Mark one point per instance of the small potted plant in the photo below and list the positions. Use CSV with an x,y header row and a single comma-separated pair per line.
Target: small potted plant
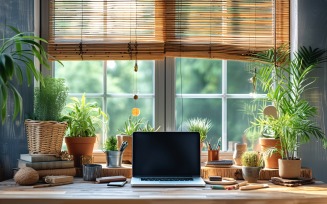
x,y
201,125
251,166
46,131
133,124
83,120
113,156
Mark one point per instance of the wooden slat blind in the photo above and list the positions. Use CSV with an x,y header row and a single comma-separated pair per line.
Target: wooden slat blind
x,y
109,29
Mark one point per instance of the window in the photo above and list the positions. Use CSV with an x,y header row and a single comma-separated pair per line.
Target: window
x,y
111,84
172,87
220,91
214,89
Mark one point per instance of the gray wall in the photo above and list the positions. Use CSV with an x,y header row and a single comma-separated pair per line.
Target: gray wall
x,y
312,31
20,14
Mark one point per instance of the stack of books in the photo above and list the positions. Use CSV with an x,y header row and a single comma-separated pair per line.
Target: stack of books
x,y
47,165
219,163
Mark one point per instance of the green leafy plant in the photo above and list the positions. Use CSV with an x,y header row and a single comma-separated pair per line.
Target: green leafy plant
x,y
50,99
110,144
148,128
285,89
201,125
134,124
16,58
83,118
251,159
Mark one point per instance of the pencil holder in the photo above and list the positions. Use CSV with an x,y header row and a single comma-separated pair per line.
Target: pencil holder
x,y
213,155
91,172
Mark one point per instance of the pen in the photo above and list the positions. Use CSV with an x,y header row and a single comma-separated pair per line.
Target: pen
x,y
236,186
252,187
210,148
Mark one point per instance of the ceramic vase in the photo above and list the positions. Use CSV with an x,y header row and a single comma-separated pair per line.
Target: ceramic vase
x,y
289,169
239,149
251,174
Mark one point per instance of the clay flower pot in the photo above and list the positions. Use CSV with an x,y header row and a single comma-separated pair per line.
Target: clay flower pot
x,y
78,146
271,161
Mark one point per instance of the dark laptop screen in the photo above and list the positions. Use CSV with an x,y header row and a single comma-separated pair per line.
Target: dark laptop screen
x,y
166,154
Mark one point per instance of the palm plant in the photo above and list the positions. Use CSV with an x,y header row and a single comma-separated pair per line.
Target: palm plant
x,y
286,80
16,58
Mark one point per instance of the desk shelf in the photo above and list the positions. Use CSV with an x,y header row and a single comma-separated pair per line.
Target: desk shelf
x,y
232,172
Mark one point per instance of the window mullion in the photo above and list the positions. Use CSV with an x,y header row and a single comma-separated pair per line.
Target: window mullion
x,y
159,95
170,94
104,99
224,106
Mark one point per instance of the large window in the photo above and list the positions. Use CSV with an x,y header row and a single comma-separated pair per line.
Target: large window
x,y
111,85
215,89
221,91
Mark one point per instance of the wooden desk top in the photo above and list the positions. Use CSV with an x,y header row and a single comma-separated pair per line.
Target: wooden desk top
x,y
82,192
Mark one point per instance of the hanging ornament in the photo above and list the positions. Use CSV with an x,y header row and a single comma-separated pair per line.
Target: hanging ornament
x,y
136,67
136,112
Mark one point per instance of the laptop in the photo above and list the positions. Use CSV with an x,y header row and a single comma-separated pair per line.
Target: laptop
x,y
166,159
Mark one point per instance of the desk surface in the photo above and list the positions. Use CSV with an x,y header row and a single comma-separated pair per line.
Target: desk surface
x,y
81,192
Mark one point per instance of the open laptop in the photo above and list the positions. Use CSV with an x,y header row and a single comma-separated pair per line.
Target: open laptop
x,y
166,159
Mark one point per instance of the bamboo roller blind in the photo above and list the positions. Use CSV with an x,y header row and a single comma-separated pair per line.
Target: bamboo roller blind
x,y
153,29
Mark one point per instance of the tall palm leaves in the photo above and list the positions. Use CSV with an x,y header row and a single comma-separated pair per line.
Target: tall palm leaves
x,y
286,79
16,58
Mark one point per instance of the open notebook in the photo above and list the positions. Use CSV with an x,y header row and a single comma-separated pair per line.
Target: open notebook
x,y
166,159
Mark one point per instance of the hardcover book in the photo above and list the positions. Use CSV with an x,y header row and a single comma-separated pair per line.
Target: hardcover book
x,y
39,158
46,165
220,163
57,172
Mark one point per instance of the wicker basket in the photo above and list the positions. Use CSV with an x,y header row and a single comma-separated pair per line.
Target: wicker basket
x,y
45,137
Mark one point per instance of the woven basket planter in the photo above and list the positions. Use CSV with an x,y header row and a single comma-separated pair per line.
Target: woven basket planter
x,y
45,137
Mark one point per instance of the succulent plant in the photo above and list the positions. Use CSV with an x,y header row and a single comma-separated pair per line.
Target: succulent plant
x,y
251,159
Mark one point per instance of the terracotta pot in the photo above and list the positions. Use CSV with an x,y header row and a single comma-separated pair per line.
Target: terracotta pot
x,y
238,152
271,161
128,153
250,174
78,146
289,168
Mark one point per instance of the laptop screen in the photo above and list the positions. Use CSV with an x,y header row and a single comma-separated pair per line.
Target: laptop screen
x,y
166,154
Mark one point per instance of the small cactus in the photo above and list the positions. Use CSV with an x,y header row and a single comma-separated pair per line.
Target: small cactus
x,y
251,159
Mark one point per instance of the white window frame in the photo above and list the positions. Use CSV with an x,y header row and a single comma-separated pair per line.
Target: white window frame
x,y
224,96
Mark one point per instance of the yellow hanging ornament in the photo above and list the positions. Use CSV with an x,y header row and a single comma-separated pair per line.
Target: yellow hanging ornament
x,y
136,112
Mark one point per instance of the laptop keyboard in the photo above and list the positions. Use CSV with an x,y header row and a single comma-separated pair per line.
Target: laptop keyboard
x,y
166,179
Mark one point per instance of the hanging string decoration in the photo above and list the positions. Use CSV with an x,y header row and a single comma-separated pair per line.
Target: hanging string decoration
x,y
135,111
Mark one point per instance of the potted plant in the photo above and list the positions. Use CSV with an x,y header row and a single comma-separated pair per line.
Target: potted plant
x,y
133,124
46,131
113,156
269,141
292,123
251,166
201,125
16,53
83,119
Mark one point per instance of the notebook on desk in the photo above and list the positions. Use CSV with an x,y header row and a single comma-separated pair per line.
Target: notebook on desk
x,y
166,159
